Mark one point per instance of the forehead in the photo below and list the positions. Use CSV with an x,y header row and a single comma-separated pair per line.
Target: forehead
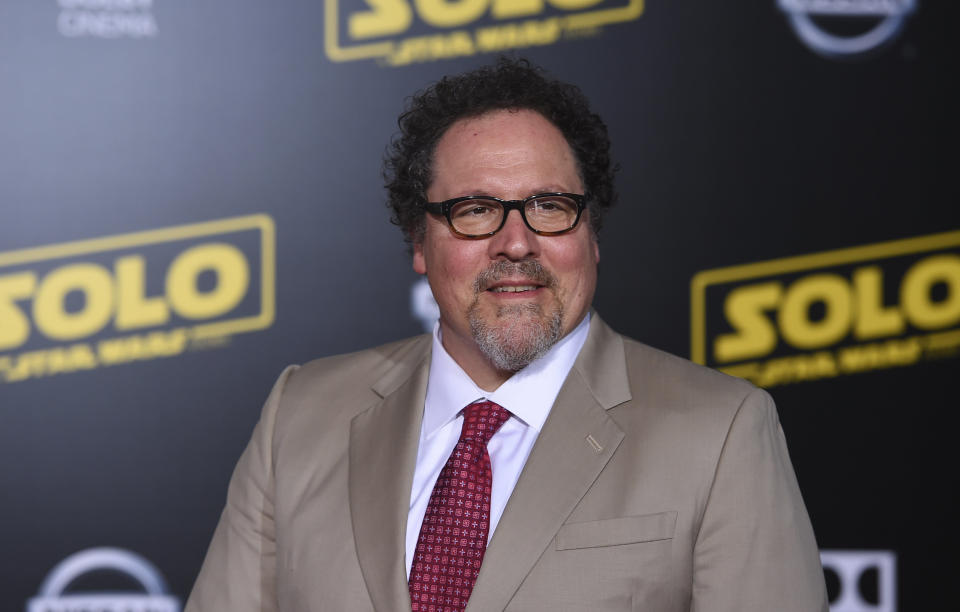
x,y
504,146
526,122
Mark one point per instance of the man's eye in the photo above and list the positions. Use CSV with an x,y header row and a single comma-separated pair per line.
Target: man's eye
x,y
552,206
474,210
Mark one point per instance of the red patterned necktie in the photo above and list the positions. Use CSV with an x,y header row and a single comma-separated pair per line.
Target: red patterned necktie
x,y
453,537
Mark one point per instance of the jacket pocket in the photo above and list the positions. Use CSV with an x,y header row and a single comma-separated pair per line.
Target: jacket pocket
x,y
616,531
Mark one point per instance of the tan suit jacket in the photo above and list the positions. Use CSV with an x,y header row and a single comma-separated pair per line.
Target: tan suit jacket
x,y
655,485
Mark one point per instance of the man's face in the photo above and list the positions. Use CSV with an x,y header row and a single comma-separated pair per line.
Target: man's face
x,y
504,300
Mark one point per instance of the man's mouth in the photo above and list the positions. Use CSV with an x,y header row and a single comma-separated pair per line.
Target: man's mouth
x,y
509,278
513,288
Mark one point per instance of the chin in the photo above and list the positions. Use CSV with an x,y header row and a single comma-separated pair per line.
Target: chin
x,y
517,335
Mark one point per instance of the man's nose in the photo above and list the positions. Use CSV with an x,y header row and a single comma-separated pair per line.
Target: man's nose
x,y
515,241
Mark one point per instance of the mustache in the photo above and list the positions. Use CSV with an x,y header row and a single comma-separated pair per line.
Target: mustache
x,y
528,269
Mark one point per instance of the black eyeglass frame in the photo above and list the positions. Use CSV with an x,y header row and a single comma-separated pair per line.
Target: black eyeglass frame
x,y
443,208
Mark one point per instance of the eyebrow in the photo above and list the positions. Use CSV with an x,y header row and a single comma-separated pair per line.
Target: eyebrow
x,y
486,192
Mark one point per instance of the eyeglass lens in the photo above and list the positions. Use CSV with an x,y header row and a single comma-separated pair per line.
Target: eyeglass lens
x,y
481,216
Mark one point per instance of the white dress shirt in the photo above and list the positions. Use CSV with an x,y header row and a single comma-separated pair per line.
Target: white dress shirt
x,y
528,395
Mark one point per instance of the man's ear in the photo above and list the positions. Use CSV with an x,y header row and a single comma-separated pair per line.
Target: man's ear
x,y
419,262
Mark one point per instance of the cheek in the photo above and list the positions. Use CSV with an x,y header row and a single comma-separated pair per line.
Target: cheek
x,y
580,277
452,274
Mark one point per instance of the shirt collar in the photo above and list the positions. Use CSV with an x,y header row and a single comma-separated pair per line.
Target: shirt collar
x,y
529,394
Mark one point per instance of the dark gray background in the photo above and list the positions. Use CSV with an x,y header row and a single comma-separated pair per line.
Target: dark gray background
x,y
736,144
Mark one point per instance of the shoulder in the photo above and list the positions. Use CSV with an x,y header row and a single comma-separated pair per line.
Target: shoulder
x,y
665,374
352,381
665,386
686,414
363,366
615,359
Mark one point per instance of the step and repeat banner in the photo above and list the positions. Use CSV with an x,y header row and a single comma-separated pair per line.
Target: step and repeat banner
x,y
191,199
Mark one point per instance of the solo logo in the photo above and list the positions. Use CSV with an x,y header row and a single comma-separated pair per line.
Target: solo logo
x,y
829,314
54,598
91,303
400,32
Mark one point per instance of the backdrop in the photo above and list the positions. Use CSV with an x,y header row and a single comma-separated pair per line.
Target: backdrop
x,y
190,199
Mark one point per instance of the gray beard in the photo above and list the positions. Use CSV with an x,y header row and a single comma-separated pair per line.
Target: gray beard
x,y
521,334
516,341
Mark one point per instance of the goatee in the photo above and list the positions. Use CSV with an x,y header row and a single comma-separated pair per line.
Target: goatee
x,y
521,333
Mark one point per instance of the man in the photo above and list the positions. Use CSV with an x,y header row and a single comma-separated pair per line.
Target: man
x,y
524,456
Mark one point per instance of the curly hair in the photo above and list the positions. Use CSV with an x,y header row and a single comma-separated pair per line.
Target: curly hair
x,y
508,84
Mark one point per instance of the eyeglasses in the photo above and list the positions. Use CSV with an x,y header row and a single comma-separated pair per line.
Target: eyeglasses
x,y
547,214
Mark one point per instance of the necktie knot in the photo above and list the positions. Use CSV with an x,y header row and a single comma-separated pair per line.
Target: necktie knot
x,y
481,420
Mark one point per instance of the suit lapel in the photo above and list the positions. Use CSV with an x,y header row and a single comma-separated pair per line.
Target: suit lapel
x,y
576,442
383,454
